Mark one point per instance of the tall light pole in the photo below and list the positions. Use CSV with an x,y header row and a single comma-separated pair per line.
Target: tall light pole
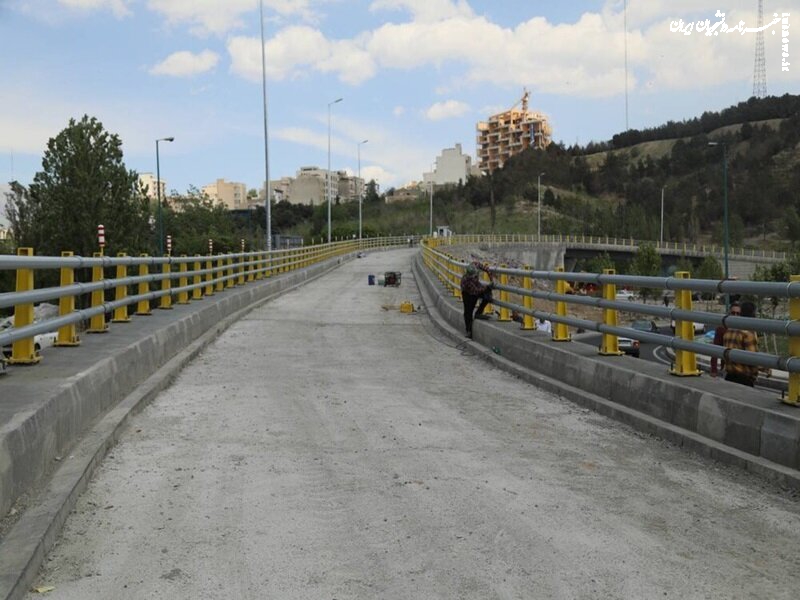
x,y
267,199
158,192
433,170
539,209
361,191
725,229
662,214
329,165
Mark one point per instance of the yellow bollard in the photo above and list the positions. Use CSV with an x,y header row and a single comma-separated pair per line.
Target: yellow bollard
x,y
505,314
230,273
143,306
165,302
793,396
23,352
197,293
183,281
528,322
610,343
209,277
486,279
219,274
97,324
67,335
120,293
241,279
560,330
251,268
685,361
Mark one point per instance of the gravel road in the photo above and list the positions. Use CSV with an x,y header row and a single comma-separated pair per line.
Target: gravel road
x,y
328,446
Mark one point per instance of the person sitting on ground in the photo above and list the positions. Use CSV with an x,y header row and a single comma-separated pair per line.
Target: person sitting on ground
x,y
473,290
544,325
741,339
719,335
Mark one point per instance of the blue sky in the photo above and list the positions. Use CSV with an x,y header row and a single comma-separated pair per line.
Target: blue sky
x,y
415,75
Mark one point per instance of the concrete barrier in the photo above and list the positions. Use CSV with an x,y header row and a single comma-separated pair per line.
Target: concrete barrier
x,y
729,422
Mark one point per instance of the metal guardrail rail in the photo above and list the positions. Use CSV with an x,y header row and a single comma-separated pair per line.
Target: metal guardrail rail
x,y
449,269
179,279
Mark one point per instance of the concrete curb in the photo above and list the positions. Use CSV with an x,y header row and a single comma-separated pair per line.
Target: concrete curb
x,y
25,547
532,349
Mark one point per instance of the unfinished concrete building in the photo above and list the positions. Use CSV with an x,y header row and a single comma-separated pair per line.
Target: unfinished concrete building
x,y
508,133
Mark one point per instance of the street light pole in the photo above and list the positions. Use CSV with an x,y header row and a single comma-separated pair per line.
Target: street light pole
x,y
361,190
158,193
725,228
539,209
662,214
433,170
267,199
329,165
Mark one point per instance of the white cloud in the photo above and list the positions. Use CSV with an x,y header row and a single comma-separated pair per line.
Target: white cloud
x,y
426,10
446,110
218,17
118,7
186,64
398,111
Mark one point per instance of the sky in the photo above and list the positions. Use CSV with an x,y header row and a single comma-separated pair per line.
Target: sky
x,y
415,76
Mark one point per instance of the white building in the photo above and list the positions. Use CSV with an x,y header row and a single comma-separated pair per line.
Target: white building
x,y
5,234
149,181
310,186
231,193
451,167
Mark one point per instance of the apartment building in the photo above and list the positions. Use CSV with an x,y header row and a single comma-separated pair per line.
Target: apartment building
x,y
5,234
451,166
310,186
231,193
509,133
149,181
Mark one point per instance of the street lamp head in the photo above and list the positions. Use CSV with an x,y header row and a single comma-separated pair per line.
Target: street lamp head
x,y
336,101
364,142
542,174
169,139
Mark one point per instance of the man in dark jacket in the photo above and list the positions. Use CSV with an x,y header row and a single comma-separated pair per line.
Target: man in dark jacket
x,y
473,290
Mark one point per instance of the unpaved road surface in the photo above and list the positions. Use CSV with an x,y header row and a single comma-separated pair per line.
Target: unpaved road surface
x,y
324,447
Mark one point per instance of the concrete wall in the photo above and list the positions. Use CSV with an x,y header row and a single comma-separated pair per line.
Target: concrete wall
x,y
729,422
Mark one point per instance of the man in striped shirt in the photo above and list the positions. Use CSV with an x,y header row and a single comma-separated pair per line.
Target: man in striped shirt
x,y
741,339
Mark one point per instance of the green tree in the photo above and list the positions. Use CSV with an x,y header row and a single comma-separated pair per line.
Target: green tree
x,y
83,183
646,262
371,195
600,262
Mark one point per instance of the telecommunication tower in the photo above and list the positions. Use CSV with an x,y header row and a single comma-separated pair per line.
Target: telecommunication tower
x,y
760,68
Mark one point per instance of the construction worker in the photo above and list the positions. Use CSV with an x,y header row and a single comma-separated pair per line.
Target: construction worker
x,y
473,290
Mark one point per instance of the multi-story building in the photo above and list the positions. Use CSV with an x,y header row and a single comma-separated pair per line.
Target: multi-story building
x,y
149,181
508,133
5,234
310,186
231,193
451,167
278,189
407,193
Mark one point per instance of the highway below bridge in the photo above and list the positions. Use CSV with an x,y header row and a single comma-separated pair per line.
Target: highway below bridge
x,y
328,446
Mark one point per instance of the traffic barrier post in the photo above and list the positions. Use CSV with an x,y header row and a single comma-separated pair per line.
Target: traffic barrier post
x,y
528,322
143,306
67,335
505,314
183,281
610,343
685,361
120,293
23,352
97,324
560,330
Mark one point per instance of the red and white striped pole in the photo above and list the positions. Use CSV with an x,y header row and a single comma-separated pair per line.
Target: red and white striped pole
x,y
210,247
169,245
101,237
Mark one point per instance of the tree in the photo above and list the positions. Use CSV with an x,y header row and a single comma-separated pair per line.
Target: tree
x,y
83,183
371,195
647,263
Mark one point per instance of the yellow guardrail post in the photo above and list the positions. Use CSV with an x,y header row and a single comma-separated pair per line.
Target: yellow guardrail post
x,y
505,314
120,293
220,285
183,281
242,277
97,324
685,361
23,352
560,330
67,335
143,306
486,279
793,396
166,285
197,293
251,268
528,322
610,343
209,276
230,272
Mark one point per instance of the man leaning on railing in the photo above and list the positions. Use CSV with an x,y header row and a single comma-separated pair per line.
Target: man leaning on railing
x,y
741,339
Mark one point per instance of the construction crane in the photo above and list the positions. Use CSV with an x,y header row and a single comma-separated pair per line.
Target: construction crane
x,y
524,100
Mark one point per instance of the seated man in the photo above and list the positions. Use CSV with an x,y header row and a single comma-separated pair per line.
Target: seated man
x,y
473,290
741,339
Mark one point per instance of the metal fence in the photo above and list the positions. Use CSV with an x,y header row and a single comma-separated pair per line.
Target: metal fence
x,y
449,269
161,280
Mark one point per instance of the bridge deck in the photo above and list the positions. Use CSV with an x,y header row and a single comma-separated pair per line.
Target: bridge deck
x,y
324,447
